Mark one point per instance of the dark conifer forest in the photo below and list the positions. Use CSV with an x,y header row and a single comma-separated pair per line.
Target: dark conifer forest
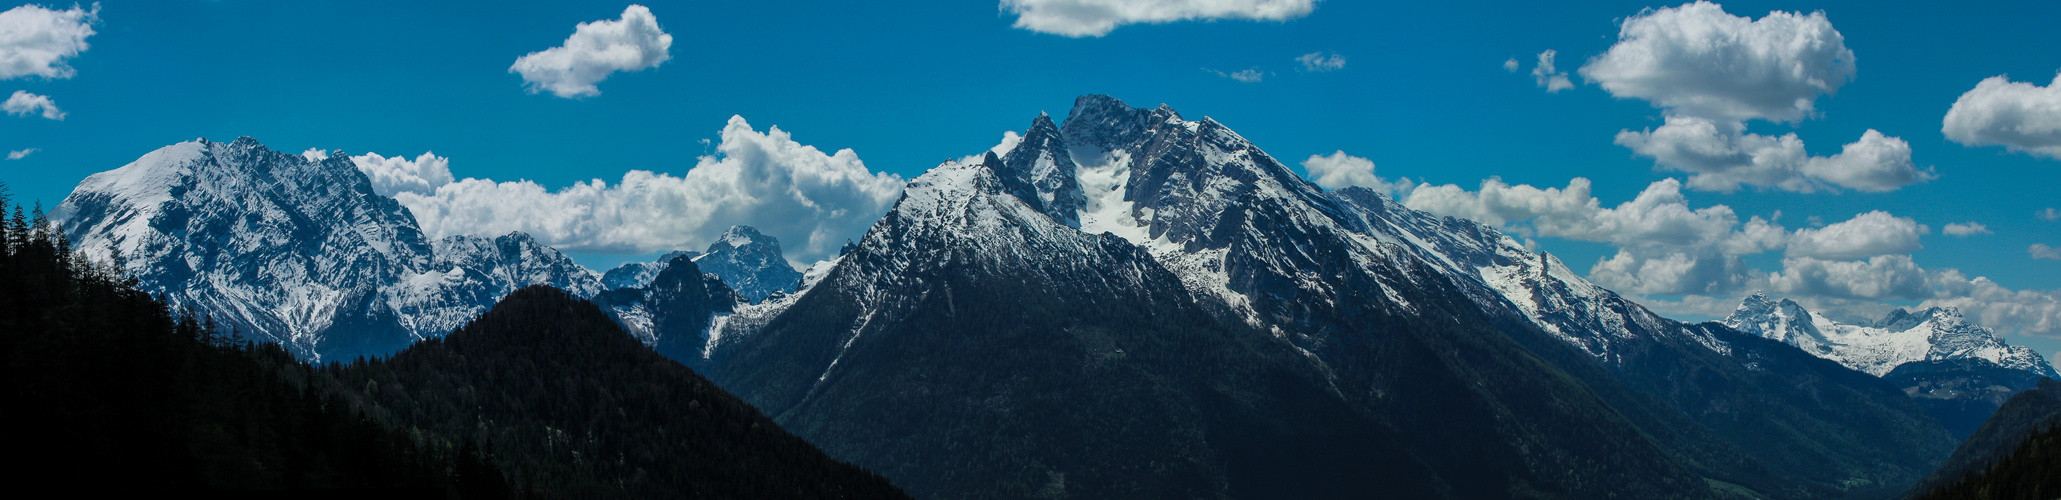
x,y
107,388
577,408
2016,454
544,397
2031,472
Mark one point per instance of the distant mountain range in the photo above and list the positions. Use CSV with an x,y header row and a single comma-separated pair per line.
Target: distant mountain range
x,y
1959,371
1126,304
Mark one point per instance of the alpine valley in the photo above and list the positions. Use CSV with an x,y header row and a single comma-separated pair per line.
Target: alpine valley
x,y
1125,304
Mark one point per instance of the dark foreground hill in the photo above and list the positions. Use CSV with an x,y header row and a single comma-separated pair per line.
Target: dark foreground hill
x,y
572,406
107,389
541,397
2015,455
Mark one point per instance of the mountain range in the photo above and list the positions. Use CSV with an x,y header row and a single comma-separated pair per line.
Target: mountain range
x,y
1486,359
302,252
1959,371
1126,304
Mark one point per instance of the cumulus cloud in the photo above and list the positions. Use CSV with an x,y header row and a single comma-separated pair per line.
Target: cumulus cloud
x,y
1659,215
2048,213
23,103
593,52
2042,251
2022,117
1252,75
1721,156
1551,79
1321,62
1664,245
1875,163
2012,311
1339,170
35,41
1883,277
1009,140
1870,234
396,175
21,153
811,201
1511,65
1094,18
1712,72
1701,61
1965,229
1669,272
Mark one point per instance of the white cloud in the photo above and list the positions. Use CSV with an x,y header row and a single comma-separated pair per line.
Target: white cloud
x,y
811,201
396,175
1321,62
315,154
23,103
1870,234
1712,71
1882,277
1094,18
1511,65
1252,75
2042,251
21,153
35,41
1669,272
594,51
1721,156
2020,311
1553,80
1698,60
1875,163
1664,246
1339,170
2048,213
2021,117
1660,215
1009,140
1965,229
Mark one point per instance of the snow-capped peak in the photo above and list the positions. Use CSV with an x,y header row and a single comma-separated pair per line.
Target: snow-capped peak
x,y
738,236
289,247
750,263
1940,333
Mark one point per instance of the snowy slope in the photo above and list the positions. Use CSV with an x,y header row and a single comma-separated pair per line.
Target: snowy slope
x,y
1900,337
1231,219
301,252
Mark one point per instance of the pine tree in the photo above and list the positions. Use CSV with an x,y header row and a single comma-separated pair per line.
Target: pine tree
x,y
17,230
5,239
39,224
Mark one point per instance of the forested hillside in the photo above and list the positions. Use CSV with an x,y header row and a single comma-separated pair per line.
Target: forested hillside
x,y
542,397
2015,455
575,407
106,388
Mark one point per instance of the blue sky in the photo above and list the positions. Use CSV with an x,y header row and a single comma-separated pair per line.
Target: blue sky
x,y
1423,94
